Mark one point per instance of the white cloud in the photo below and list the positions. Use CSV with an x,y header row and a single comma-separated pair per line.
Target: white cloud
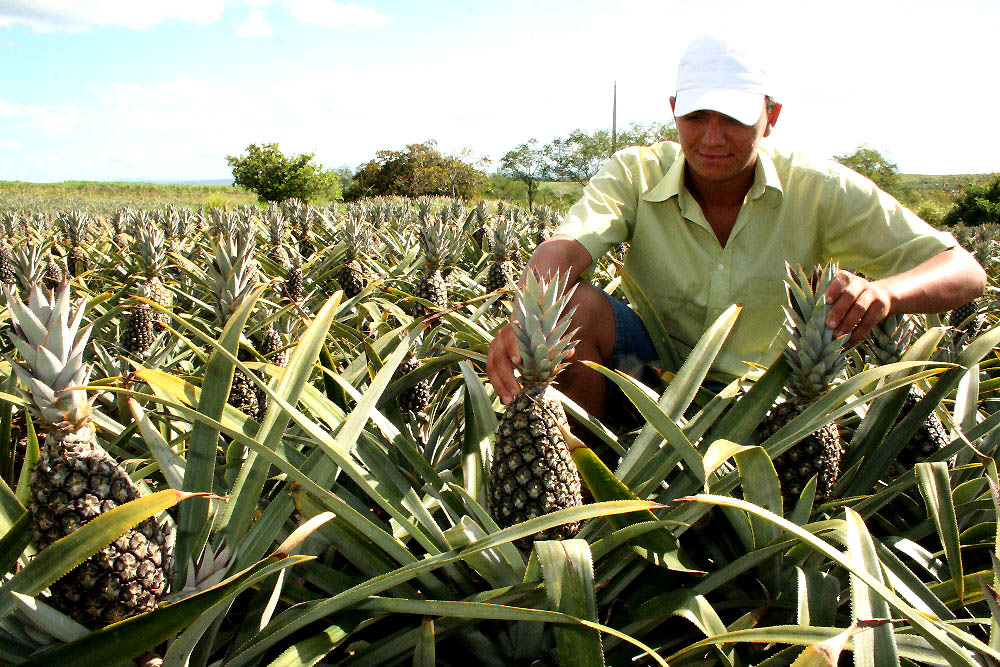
x,y
76,16
11,143
332,14
255,26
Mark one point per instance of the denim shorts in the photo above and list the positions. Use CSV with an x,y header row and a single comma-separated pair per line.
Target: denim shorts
x,y
634,353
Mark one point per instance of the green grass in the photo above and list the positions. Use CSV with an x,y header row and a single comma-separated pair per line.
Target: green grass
x,y
106,197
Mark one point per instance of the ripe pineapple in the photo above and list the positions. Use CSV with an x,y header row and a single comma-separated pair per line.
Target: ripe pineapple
x,y
532,473
817,359
54,274
137,334
437,240
75,225
352,277
75,480
502,270
888,342
152,264
231,276
416,398
277,229
294,278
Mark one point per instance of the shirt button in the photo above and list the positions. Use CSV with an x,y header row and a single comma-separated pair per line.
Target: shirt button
x,y
720,267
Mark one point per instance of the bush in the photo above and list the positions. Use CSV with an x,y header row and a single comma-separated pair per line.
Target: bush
x,y
978,204
266,171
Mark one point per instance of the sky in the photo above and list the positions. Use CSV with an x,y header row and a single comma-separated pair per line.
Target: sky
x,y
151,89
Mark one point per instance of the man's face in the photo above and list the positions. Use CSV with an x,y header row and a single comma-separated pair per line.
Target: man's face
x,y
718,148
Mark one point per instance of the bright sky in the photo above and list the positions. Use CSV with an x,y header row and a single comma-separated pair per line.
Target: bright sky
x,y
165,89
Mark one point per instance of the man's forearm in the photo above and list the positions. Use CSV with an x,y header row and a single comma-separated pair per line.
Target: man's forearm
x,y
558,253
944,282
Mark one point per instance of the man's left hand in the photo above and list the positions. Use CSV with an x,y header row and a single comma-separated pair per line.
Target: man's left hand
x,y
857,305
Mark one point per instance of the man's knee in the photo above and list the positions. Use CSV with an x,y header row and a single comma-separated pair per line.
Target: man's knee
x,y
594,319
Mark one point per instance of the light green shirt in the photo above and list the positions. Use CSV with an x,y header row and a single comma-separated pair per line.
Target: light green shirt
x,y
796,211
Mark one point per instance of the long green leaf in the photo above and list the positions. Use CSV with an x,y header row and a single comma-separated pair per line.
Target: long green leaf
x,y
568,569
935,487
199,473
480,425
878,647
935,633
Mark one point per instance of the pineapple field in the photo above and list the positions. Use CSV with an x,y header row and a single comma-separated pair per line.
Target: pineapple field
x,y
245,435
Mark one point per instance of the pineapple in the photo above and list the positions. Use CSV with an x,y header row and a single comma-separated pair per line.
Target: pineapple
x,y
277,229
231,276
54,274
887,342
502,270
75,479
817,359
29,269
75,225
152,264
294,278
417,397
9,221
138,335
437,240
532,473
352,276
118,223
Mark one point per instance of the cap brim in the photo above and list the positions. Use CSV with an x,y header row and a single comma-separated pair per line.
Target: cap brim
x,y
744,106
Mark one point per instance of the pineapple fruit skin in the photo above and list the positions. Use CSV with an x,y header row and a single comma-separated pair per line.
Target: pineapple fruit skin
x,y
819,453
74,481
532,472
416,398
352,278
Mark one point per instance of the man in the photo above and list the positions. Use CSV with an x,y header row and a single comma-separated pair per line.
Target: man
x,y
712,222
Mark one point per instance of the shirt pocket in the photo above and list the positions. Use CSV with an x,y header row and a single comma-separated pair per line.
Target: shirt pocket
x,y
762,317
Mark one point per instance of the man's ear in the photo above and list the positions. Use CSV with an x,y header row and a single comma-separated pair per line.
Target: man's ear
x,y
673,103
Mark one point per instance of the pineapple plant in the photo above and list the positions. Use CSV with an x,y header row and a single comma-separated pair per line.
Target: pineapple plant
x,y
352,277
75,225
152,266
532,473
231,276
416,397
54,274
277,229
9,221
887,343
119,222
75,479
437,240
295,278
817,359
502,271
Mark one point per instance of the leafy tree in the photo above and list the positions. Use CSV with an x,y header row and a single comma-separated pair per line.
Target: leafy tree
x,y
416,171
275,177
869,162
978,204
528,164
580,155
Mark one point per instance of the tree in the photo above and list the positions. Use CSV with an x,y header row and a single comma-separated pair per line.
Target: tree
x,y
578,156
416,171
275,177
870,163
978,204
527,164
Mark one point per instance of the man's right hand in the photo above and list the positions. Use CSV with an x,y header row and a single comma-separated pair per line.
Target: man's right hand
x,y
500,362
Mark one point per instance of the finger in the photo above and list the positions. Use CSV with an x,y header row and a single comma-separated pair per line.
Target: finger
x,y
875,314
853,316
840,308
500,366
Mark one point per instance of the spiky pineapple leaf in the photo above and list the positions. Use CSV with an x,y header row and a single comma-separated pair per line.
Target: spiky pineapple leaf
x,y
664,345
937,634
935,487
879,646
480,426
568,571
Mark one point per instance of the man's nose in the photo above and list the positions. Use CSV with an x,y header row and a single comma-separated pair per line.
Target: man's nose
x,y
714,135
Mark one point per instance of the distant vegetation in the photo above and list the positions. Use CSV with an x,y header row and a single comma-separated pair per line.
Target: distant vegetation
x,y
106,197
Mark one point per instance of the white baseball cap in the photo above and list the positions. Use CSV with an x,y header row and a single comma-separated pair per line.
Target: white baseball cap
x,y
719,75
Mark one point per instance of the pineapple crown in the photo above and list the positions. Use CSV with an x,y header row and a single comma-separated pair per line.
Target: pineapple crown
x,y
504,239
437,242
890,338
74,225
233,272
28,267
355,234
51,344
815,355
276,224
152,257
541,323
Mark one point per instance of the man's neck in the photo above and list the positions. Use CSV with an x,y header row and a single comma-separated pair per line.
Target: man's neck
x,y
731,192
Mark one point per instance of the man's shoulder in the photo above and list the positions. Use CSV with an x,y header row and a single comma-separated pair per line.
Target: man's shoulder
x,y
796,169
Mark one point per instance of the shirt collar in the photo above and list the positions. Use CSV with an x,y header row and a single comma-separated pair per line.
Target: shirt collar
x,y
765,178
